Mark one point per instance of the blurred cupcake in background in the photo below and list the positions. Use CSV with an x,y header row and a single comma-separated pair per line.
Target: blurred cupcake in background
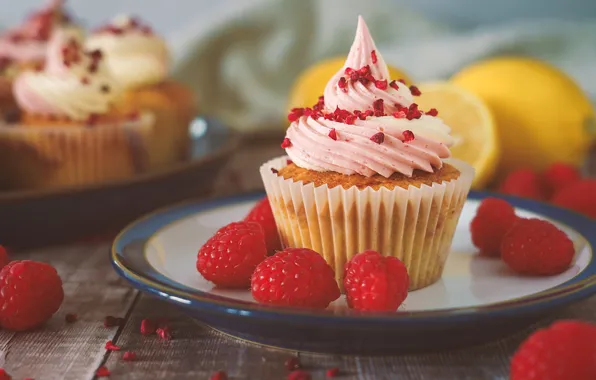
x,y
73,127
140,62
24,46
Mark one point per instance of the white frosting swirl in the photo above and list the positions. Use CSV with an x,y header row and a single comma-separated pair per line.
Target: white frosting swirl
x,y
135,55
74,83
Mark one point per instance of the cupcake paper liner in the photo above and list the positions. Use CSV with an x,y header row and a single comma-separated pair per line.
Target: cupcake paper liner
x,y
416,225
53,156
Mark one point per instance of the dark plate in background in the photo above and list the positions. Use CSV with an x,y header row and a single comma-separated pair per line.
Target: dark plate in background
x,y
34,218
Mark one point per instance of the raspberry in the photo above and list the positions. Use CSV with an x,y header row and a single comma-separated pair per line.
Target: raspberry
x,y
30,293
494,217
565,350
3,257
579,196
559,175
261,213
229,257
375,283
536,247
523,183
295,277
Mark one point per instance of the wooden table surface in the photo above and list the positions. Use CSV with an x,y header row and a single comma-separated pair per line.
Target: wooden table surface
x,y
62,350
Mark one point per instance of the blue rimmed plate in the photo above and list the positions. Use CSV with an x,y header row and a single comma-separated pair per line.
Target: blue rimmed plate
x,y
477,298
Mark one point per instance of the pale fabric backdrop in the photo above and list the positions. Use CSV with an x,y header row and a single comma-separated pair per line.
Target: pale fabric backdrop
x,y
241,56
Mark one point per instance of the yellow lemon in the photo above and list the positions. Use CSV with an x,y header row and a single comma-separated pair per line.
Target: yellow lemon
x,y
542,116
311,83
471,125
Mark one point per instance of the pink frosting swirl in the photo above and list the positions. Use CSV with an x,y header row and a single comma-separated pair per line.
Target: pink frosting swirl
x,y
28,41
368,124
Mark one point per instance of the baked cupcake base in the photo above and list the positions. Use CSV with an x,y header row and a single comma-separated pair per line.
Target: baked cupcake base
x,y
51,156
412,219
174,108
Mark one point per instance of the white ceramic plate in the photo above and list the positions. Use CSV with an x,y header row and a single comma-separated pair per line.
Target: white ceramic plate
x,y
158,254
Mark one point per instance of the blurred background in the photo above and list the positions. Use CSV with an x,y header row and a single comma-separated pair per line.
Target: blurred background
x,y
250,61
258,47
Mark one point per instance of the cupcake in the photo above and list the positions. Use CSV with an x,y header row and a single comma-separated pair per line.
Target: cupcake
x,y
73,127
140,62
24,47
367,169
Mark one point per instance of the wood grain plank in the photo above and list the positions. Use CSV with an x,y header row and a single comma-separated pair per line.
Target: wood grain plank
x,y
70,351
484,362
195,351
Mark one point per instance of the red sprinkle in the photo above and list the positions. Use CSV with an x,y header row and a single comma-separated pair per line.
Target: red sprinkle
x,y
413,112
164,333
401,81
219,375
292,364
129,356
274,171
299,375
399,115
343,84
289,162
333,372
351,119
378,137
373,56
394,85
415,91
102,372
348,71
432,112
364,71
110,346
408,136
378,105
286,143
381,84
333,134
70,318
295,114
148,327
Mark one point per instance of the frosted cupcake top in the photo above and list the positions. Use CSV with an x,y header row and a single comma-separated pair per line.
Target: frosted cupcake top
x,y
28,42
366,123
136,56
74,82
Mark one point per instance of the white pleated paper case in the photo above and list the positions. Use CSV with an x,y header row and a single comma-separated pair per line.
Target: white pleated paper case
x,y
68,155
415,225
